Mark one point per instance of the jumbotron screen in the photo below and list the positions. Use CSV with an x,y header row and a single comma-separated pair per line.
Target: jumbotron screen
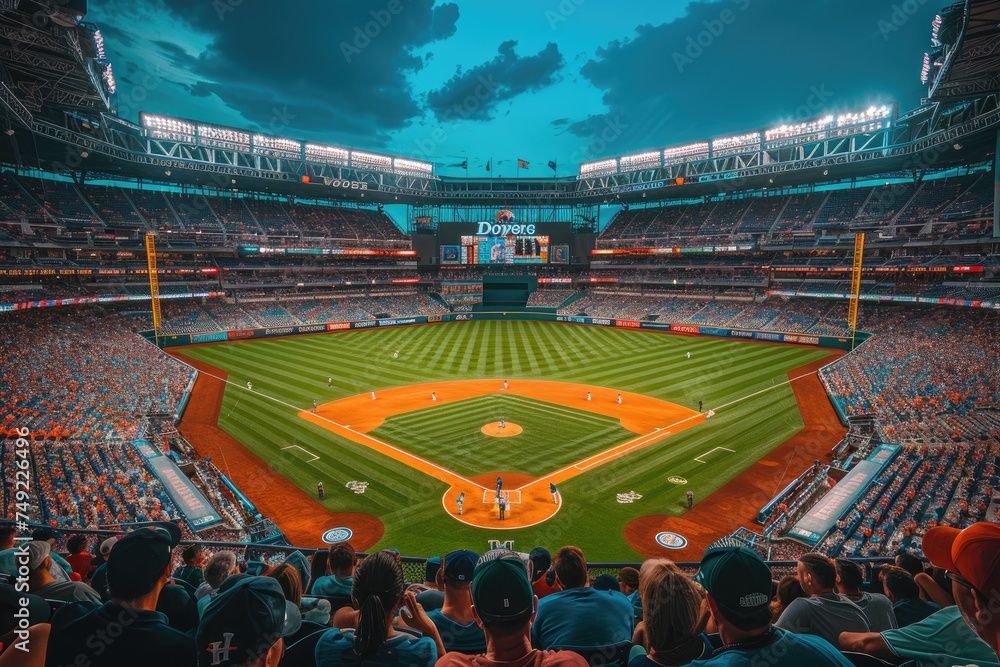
x,y
490,243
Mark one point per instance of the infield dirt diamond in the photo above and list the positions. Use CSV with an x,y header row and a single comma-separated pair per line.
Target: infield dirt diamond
x,y
651,419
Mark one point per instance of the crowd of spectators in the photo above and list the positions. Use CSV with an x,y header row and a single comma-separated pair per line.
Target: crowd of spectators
x,y
84,377
930,375
498,608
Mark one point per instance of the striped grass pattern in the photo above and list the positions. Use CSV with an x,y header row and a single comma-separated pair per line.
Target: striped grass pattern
x,y
291,372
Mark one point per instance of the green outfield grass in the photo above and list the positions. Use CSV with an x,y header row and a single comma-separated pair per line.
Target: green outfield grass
x,y
291,372
554,436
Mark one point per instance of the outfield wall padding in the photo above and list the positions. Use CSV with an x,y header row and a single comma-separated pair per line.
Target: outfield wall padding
x,y
839,343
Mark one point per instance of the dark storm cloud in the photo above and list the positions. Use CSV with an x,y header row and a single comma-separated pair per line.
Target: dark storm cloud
x,y
263,61
736,65
475,93
176,55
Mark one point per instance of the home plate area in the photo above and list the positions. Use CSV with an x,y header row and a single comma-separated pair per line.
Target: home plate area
x,y
513,497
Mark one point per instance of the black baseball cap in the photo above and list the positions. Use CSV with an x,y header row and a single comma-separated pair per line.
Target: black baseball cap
x,y
244,621
501,590
139,560
45,533
460,564
740,583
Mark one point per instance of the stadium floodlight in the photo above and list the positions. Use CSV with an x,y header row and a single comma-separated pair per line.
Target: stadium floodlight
x,y
599,168
645,160
166,127
688,153
806,131
412,167
936,30
276,146
216,136
328,154
740,143
925,70
99,45
371,161
109,79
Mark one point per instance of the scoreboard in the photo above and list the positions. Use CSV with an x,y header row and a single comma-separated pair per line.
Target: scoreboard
x,y
463,244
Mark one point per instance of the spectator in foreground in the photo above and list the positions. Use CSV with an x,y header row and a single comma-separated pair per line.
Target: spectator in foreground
x,y
79,559
218,568
60,568
675,614
192,572
972,559
876,607
789,589
737,584
319,566
943,638
429,594
455,621
579,616
543,579
43,584
378,592
628,578
343,559
824,613
245,625
504,606
904,594
138,569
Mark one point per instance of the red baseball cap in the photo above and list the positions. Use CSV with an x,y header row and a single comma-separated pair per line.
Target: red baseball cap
x,y
973,553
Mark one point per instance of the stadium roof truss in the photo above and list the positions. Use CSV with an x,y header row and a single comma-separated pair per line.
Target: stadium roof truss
x,y
54,83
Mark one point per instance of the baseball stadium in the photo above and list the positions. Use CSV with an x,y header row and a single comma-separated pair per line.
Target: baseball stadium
x,y
253,334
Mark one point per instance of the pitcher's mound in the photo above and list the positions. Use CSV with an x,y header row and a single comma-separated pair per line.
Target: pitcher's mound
x,y
494,430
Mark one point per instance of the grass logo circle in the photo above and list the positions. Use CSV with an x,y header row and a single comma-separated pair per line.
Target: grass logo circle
x,y
677,480
335,535
671,540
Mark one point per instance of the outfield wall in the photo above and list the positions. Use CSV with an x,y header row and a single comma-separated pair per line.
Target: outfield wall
x,y
839,343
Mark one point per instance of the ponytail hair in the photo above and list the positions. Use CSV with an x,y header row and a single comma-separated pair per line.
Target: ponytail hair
x,y
378,586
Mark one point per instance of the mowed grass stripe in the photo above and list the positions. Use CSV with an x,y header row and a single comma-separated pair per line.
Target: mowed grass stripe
x,y
294,370
552,435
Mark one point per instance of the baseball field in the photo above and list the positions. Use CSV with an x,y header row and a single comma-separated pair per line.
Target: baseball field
x,y
393,466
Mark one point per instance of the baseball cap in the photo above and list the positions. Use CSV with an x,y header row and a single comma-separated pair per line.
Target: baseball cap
x,y
107,545
541,560
38,551
740,583
501,590
431,567
45,533
460,565
973,554
243,622
139,560
630,576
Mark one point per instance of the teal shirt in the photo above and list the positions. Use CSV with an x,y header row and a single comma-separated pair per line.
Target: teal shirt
x,y
789,650
636,601
943,638
336,647
332,585
469,639
582,618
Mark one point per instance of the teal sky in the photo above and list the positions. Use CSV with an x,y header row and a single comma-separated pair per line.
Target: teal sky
x,y
541,80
